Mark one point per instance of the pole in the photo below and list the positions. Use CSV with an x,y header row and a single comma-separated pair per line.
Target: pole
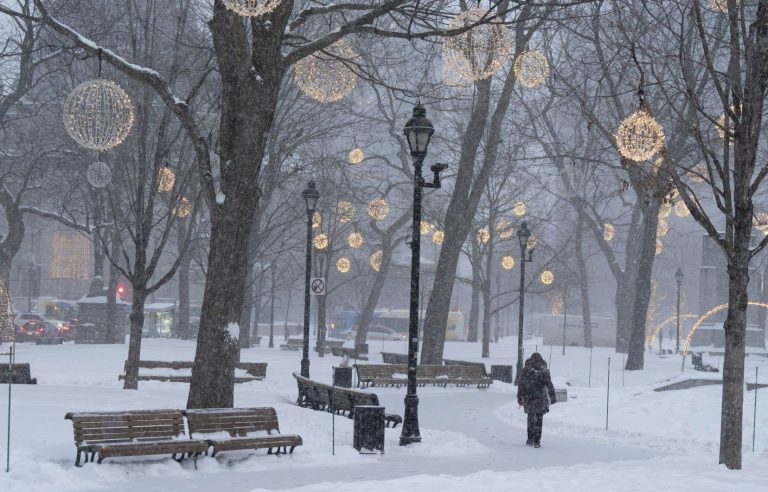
x,y
589,383
307,273
521,307
607,393
10,384
677,338
754,414
565,317
271,309
410,431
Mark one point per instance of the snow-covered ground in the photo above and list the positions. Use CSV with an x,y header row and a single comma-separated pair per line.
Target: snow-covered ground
x,y
472,439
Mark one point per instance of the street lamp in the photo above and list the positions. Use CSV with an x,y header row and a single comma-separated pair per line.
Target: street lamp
x,y
679,278
523,235
311,196
418,131
272,268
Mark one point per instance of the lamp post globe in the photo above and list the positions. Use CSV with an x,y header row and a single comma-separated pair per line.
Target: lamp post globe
x,y
311,197
418,132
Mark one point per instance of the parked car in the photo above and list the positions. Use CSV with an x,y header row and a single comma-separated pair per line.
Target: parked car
x,y
67,329
30,330
49,334
22,318
379,332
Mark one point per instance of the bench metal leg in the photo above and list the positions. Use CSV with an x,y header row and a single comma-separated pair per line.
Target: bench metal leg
x,y
292,448
79,454
101,458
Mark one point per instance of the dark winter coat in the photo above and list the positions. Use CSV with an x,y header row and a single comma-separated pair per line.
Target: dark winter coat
x,y
535,389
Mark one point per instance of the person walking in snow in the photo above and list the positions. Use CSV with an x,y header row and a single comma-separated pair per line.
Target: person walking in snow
x,y
535,392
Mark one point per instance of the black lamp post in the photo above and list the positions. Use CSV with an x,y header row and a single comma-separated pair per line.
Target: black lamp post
x,y
311,196
679,278
523,234
418,131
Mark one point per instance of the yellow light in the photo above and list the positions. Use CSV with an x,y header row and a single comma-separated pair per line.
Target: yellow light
x,y
531,68
655,332
355,240
659,247
504,229
356,156
639,136
520,209
98,114
252,8
378,209
438,237
183,208
425,227
665,210
345,211
608,231
325,76
532,241
375,260
166,178
673,194
483,235
320,241
343,264
681,209
547,277
706,315
71,256
317,219
662,228
479,52
557,304
508,263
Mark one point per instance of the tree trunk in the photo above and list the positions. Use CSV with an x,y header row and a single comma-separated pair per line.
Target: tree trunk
x,y
134,341
321,328
486,288
97,283
366,317
581,265
474,305
625,286
182,320
114,329
251,300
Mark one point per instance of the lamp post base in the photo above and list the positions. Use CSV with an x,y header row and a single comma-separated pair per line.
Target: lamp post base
x,y
305,368
410,433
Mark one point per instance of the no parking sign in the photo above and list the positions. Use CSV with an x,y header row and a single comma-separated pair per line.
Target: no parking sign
x,y
317,286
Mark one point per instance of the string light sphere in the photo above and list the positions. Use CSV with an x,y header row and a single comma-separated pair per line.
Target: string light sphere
x,y
320,242
483,235
609,232
531,68
547,277
520,209
343,264
721,5
70,256
681,209
355,240
532,241
166,178
507,263
662,228
98,174
345,211
98,114
639,136
378,209
725,125
317,219
183,208
760,222
325,76
504,229
356,156
479,52
438,237
425,227
375,260
659,247
252,8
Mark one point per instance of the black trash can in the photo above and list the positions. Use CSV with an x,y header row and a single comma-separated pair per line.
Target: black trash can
x,y
342,376
505,374
369,429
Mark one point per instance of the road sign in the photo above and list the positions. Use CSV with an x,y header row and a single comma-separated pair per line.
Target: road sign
x,y
317,286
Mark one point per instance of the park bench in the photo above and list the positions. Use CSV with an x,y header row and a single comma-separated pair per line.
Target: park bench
x,y
293,344
239,423
697,360
453,362
350,352
329,345
22,374
256,371
341,401
132,433
255,341
394,358
396,375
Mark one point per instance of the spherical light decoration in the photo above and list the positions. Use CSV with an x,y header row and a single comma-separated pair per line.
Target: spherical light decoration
x,y
760,222
317,219
479,52
698,173
320,242
356,156
532,241
662,228
425,227
665,210
70,256
438,237
531,68
659,247
557,304
681,209
721,5
252,8
483,235
325,76
375,260
725,125
639,136
508,263
343,264
520,209
345,211
609,232
504,229
547,277
183,208
99,174
378,209
355,240
166,178
98,114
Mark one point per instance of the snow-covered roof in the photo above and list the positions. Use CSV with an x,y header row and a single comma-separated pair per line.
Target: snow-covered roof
x,y
98,300
160,306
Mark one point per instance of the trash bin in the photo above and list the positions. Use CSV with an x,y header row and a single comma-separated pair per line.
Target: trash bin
x,y
505,374
368,434
342,376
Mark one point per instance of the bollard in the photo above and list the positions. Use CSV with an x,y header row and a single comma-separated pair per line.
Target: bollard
x,y
607,393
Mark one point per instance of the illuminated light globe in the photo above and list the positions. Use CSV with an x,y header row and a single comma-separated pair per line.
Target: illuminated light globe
x,y
98,174
166,178
438,237
479,52
504,229
665,210
662,228
520,209
378,209
547,277
320,242
343,264
760,222
356,156
659,247
375,260
98,114
453,79
681,209
639,136
725,125
425,227
508,263
325,76
531,68
345,211
609,232
252,8
721,5
317,219
532,241
355,240
483,235
183,208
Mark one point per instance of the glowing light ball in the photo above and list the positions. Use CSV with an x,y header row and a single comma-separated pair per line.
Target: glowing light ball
x,y
325,76
531,68
479,52
320,242
317,219
507,263
375,260
183,208
662,228
504,229
532,241
659,247
483,235
166,178
252,8
681,209
356,156
378,209
438,237
639,136
547,277
345,211
98,114
520,209
343,264
355,240
609,232
425,227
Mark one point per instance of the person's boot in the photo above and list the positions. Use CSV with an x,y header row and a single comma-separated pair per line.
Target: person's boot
x,y
536,445
529,443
